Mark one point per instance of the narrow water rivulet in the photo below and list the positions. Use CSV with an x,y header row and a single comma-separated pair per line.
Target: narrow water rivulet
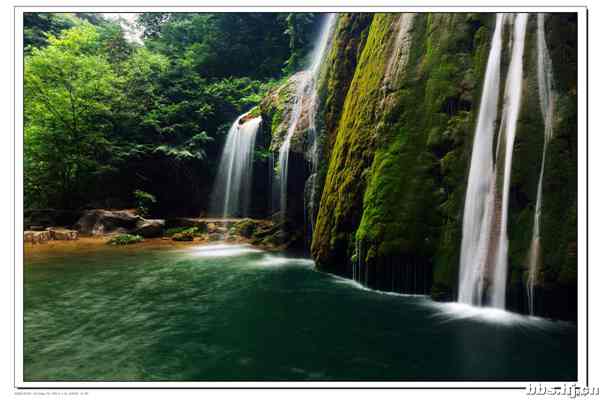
x,y
546,95
305,106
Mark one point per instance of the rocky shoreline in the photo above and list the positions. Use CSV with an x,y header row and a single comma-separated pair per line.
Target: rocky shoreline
x,y
100,225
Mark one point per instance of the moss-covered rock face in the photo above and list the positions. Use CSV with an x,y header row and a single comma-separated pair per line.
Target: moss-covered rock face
x,y
398,107
396,179
555,291
276,111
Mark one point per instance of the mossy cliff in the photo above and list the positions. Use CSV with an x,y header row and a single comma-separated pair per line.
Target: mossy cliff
x,y
398,106
395,182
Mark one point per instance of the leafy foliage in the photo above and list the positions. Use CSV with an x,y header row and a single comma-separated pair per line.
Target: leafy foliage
x,y
125,239
145,201
105,117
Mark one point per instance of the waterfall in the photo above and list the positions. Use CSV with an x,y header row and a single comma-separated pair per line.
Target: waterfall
x,y
233,185
477,212
306,102
512,99
484,247
546,96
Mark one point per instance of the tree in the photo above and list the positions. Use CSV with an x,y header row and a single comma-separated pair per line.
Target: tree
x,y
69,87
37,27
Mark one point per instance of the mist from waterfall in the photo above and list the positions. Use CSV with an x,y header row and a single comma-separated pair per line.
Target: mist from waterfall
x,y
484,247
546,96
306,101
233,185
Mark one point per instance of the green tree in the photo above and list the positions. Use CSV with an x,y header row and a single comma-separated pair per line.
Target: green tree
x,y
69,87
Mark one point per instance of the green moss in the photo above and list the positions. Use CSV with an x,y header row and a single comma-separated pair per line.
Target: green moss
x,y
352,152
414,196
397,149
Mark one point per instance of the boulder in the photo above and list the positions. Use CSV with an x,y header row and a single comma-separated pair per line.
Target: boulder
x,y
100,222
63,234
36,237
149,228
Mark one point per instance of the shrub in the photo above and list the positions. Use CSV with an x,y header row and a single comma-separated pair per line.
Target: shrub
x,y
125,239
145,201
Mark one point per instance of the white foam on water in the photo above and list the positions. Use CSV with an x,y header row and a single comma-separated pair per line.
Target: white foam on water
x,y
223,250
359,286
276,261
448,312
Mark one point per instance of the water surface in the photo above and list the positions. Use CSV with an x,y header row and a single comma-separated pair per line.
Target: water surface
x,y
231,312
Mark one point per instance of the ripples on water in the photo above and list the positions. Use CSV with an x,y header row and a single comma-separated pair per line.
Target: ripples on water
x,y
233,312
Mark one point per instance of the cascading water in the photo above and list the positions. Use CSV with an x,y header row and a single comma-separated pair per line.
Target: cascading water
x,y
478,201
306,102
546,95
484,247
512,105
233,185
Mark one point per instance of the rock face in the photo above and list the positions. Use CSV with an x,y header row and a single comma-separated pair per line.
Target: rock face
x,y
399,106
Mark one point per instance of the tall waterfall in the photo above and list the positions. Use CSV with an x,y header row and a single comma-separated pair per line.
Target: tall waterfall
x,y
306,102
512,99
233,185
546,95
478,202
484,247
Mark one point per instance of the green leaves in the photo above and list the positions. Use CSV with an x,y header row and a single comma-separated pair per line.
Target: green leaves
x,y
104,116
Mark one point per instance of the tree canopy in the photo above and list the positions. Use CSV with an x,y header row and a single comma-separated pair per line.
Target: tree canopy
x,y
106,117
